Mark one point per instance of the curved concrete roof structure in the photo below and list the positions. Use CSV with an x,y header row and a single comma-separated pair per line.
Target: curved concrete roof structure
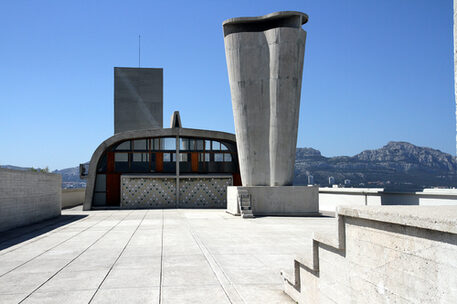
x,y
137,134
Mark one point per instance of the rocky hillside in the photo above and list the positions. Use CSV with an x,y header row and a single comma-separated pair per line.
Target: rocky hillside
x,y
396,166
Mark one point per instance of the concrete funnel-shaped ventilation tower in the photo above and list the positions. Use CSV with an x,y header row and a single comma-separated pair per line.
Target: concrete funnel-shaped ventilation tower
x,y
265,66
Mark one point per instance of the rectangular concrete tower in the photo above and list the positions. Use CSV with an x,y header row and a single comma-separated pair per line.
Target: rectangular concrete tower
x,y
138,99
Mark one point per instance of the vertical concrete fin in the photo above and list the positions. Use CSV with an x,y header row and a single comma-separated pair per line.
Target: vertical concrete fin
x,y
175,121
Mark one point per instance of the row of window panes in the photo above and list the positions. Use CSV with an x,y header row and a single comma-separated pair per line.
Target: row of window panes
x,y
167,157
164,143
200,145
169,143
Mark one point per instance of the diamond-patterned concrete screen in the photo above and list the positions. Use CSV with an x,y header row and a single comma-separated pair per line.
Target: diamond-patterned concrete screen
x,y
203,192
160,192
143,192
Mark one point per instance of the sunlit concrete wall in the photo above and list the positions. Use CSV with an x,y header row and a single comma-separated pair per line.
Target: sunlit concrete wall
x,y
381,254
28,197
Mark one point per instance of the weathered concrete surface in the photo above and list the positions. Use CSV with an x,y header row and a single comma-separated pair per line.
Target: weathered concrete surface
x,y
265,66
331,198
139,256
287,200
386,254
28,197
138,98
72,197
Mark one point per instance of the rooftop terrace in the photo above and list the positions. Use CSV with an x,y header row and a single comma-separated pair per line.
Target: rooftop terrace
x,y
153,256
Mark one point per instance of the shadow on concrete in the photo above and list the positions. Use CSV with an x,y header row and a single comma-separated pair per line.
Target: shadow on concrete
x,y
21,234
399,198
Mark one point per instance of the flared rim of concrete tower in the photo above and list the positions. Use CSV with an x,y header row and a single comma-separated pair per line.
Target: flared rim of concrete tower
x,y
268,17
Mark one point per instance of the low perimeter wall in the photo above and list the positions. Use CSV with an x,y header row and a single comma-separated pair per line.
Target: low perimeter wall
x,y
73,197
28,197
331,198
386,254
278,200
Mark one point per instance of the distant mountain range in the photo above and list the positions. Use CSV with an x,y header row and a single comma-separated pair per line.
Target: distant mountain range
x,y
396,166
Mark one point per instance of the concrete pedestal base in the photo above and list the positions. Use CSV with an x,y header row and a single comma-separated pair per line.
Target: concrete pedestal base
x,y
280,200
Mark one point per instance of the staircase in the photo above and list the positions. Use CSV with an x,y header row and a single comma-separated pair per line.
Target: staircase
x,y
244,201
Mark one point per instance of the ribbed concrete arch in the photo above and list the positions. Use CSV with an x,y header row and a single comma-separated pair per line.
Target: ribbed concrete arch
x,y
117,138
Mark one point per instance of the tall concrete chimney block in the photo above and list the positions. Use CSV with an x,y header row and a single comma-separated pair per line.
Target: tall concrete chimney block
x,y
265,66
138,99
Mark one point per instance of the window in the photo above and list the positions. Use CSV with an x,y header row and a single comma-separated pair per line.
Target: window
x,y
199,144
156,143
218,157
203,157
140,162
140,157
216,145
167,157
121,162
125,146
169,143
184,144
183,157
223,147
227,157
121,157
207,145
140,144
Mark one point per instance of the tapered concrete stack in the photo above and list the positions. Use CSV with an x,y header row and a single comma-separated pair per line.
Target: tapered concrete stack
x,y
265,66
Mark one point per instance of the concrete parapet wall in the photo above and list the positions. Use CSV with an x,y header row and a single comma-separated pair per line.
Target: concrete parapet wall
x,y
28,197
286,200
73,197
386,254
331,198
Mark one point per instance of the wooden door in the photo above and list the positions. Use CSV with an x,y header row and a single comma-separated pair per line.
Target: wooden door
x,y
194,161
237,179
159,161
113,183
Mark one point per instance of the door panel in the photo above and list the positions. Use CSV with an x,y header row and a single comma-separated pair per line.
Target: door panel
x,y
194,160
159,161
113,188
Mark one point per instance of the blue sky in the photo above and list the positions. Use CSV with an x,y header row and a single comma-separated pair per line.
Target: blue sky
x,y
374,71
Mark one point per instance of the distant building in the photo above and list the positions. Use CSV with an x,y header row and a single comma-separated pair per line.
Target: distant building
x,y
331,180
310,180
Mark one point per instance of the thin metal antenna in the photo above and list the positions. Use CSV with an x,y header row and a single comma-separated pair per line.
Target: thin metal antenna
x,y
139,50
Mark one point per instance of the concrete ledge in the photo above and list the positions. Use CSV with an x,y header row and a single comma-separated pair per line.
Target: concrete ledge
x,y
440,218
72,197
279,200
415,242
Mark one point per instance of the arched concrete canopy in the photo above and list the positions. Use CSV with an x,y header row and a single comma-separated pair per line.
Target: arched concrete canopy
x,y
136,134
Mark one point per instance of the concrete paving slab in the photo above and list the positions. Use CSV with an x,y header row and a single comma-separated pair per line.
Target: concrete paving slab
x,y
260,294
131,278
16,282
187,270
180,255
12,298
194,295
59,297
74,280
127,295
